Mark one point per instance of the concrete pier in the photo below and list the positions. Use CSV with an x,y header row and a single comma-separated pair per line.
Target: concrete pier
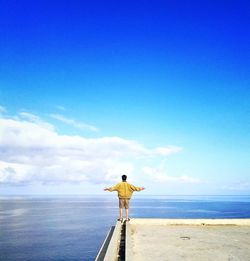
x,y
182,239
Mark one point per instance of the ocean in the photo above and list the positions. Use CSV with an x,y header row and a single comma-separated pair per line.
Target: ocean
x,y
40,228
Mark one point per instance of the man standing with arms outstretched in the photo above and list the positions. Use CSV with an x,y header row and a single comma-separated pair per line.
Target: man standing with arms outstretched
x,y
125,191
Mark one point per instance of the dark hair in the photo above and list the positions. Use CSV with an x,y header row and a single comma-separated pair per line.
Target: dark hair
x,y
124,177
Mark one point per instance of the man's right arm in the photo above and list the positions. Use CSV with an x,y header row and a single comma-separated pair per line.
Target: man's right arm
x,y
134,188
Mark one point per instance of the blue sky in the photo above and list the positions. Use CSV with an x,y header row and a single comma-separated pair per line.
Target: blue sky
x,y
153,74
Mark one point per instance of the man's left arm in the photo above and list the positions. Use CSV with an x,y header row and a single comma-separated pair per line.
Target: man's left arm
x,y
114,188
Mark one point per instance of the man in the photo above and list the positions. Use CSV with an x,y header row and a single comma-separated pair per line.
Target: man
x,y
125,191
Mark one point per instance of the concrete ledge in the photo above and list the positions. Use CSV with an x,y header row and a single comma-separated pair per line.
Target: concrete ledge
x,y
158,221
129,243
113,247
102,252
182,239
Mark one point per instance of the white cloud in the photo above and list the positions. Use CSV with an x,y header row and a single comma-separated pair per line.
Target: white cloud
x,y
13,173
74,123
32,151
34,118
238,186
159,175
167,150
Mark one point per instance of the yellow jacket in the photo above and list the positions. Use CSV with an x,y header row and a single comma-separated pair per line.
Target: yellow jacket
x,y
124,189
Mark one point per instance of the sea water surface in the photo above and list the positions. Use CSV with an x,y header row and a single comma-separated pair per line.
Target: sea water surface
x,y
74,227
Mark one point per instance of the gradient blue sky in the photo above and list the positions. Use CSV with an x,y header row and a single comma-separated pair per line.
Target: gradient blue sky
x,y
161,73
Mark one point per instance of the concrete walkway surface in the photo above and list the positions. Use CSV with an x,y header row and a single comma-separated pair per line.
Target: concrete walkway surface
x,y
188,239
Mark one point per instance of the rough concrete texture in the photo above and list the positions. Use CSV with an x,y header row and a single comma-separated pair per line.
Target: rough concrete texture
x,y
160,242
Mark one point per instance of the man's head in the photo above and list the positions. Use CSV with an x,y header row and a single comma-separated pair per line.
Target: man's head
x,y
124,177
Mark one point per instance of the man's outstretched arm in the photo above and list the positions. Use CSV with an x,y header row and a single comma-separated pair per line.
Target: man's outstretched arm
x,y
134,188
112,188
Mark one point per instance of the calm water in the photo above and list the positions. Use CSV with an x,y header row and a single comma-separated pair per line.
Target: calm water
x,y
73,228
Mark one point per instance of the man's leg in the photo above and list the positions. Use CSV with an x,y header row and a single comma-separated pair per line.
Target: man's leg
x,y
120,208
120,213
127,209
127,214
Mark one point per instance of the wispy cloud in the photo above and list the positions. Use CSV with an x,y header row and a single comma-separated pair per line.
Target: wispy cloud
x,y
2,109
167,150
35,119
74,123
238,186
160,175
61,108
32,151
